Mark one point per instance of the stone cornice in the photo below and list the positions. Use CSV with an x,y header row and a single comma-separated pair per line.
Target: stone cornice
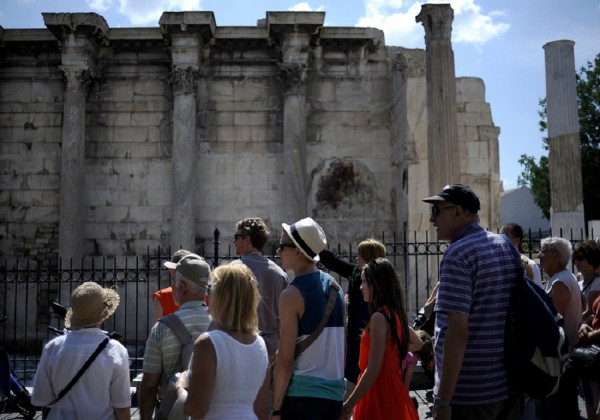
x,y
65,25
201,24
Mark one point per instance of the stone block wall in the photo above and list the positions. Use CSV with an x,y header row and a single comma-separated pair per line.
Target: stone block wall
x,y
362,133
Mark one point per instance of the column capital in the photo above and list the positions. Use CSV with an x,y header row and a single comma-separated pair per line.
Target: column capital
x,y
294,33
78,78
293,77
80,36
184,80
437,20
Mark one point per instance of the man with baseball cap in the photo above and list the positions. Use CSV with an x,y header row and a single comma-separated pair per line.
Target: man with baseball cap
x,y
477,275
311,385
162,357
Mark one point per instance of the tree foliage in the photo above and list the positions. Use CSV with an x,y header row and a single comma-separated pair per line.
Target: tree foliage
x,y
535,174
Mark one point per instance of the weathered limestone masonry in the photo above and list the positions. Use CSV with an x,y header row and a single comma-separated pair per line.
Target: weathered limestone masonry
x,y
564,157
190,126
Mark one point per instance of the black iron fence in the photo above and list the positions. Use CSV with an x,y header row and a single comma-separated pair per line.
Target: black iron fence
x,y
28,287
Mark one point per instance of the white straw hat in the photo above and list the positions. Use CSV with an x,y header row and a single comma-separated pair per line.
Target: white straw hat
x,y
308,236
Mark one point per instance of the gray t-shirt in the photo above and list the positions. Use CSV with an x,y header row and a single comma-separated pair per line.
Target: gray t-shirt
x,y
271,282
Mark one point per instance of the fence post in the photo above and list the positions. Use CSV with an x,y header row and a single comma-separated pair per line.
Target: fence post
x,y
216,244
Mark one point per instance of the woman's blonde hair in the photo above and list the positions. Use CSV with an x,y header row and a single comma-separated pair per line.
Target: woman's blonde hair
x,y
369,249
234,298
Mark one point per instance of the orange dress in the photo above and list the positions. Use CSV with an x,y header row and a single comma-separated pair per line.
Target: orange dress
x,y
388,398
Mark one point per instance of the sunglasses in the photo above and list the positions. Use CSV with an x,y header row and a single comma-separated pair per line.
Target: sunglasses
x,y
284,245
435,211
238,236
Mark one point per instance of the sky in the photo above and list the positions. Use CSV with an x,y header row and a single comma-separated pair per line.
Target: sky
x,y
500,42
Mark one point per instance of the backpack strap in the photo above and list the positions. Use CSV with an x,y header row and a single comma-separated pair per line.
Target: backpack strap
x,y
303,344
178,327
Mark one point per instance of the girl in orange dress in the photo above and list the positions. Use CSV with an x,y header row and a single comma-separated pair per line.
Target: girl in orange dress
x,y
380,392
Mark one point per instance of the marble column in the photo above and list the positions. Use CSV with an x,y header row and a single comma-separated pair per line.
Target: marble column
x,y
72,166
294,141
187,33
443,145
295,35
80,36
566,190
184,158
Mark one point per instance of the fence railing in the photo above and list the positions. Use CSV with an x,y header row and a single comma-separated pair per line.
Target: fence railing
x,y
27,288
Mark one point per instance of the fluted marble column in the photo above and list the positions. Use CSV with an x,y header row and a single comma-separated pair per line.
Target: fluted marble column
x,y
292,34
566,190
443,145
187,32
80,36
294,140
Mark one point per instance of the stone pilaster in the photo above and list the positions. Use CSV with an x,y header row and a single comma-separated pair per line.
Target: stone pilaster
x,y
566,190
293,33
80,36
443,145
187,33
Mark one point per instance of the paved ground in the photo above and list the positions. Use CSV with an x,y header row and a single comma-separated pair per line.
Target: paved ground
x,y
423,397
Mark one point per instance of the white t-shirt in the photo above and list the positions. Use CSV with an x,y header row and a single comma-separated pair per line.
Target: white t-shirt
x,y
103,387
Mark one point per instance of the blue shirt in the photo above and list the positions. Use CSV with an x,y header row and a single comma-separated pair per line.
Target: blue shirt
x,y
319,370
477,275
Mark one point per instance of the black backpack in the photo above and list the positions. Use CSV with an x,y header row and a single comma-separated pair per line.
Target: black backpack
x,y
536,349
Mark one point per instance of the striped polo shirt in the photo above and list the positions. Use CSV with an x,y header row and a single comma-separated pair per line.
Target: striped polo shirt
x,y
319,370
477,275
163,348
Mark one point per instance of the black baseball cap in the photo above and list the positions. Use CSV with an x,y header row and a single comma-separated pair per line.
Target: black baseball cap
x,y
458,194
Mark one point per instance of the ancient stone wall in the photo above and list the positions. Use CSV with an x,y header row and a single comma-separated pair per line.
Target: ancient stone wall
x,y
291,118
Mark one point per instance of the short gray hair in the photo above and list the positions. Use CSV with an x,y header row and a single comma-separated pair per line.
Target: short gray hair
x,y
561,246
193,287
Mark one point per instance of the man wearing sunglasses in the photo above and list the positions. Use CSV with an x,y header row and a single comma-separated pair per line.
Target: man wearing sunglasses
x,y
477,274
249,239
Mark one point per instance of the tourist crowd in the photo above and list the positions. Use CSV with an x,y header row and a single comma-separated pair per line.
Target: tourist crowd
x,y
253,339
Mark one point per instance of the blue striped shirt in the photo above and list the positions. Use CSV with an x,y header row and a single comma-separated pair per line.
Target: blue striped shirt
x,y
477,275
319,370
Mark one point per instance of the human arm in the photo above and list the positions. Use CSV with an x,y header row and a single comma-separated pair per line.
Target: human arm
x,y
560,296
291,307
430,303
201,378
336,264
378,332
123,413
157,311
590,298
414,341
147,394
455,344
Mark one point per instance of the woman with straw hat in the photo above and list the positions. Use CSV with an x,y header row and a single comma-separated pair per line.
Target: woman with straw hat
x,y
63,383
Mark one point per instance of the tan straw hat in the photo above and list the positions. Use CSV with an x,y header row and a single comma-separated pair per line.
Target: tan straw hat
x,y
91,304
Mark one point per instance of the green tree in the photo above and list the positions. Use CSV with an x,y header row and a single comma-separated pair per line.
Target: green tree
x,y
535,174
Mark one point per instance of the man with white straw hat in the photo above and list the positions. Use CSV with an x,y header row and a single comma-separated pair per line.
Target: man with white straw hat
x,y
311,384
162,356
102,391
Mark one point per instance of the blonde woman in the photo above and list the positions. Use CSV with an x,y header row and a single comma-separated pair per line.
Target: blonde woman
x,y
229,364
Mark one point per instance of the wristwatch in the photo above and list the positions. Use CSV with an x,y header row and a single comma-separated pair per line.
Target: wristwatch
x,y
440,402
273,412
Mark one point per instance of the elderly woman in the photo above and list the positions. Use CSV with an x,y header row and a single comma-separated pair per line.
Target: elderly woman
x,y
102,391
555,254
229,364
587,260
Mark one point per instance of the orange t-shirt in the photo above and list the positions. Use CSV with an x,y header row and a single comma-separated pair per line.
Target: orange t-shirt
x,y
165,298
